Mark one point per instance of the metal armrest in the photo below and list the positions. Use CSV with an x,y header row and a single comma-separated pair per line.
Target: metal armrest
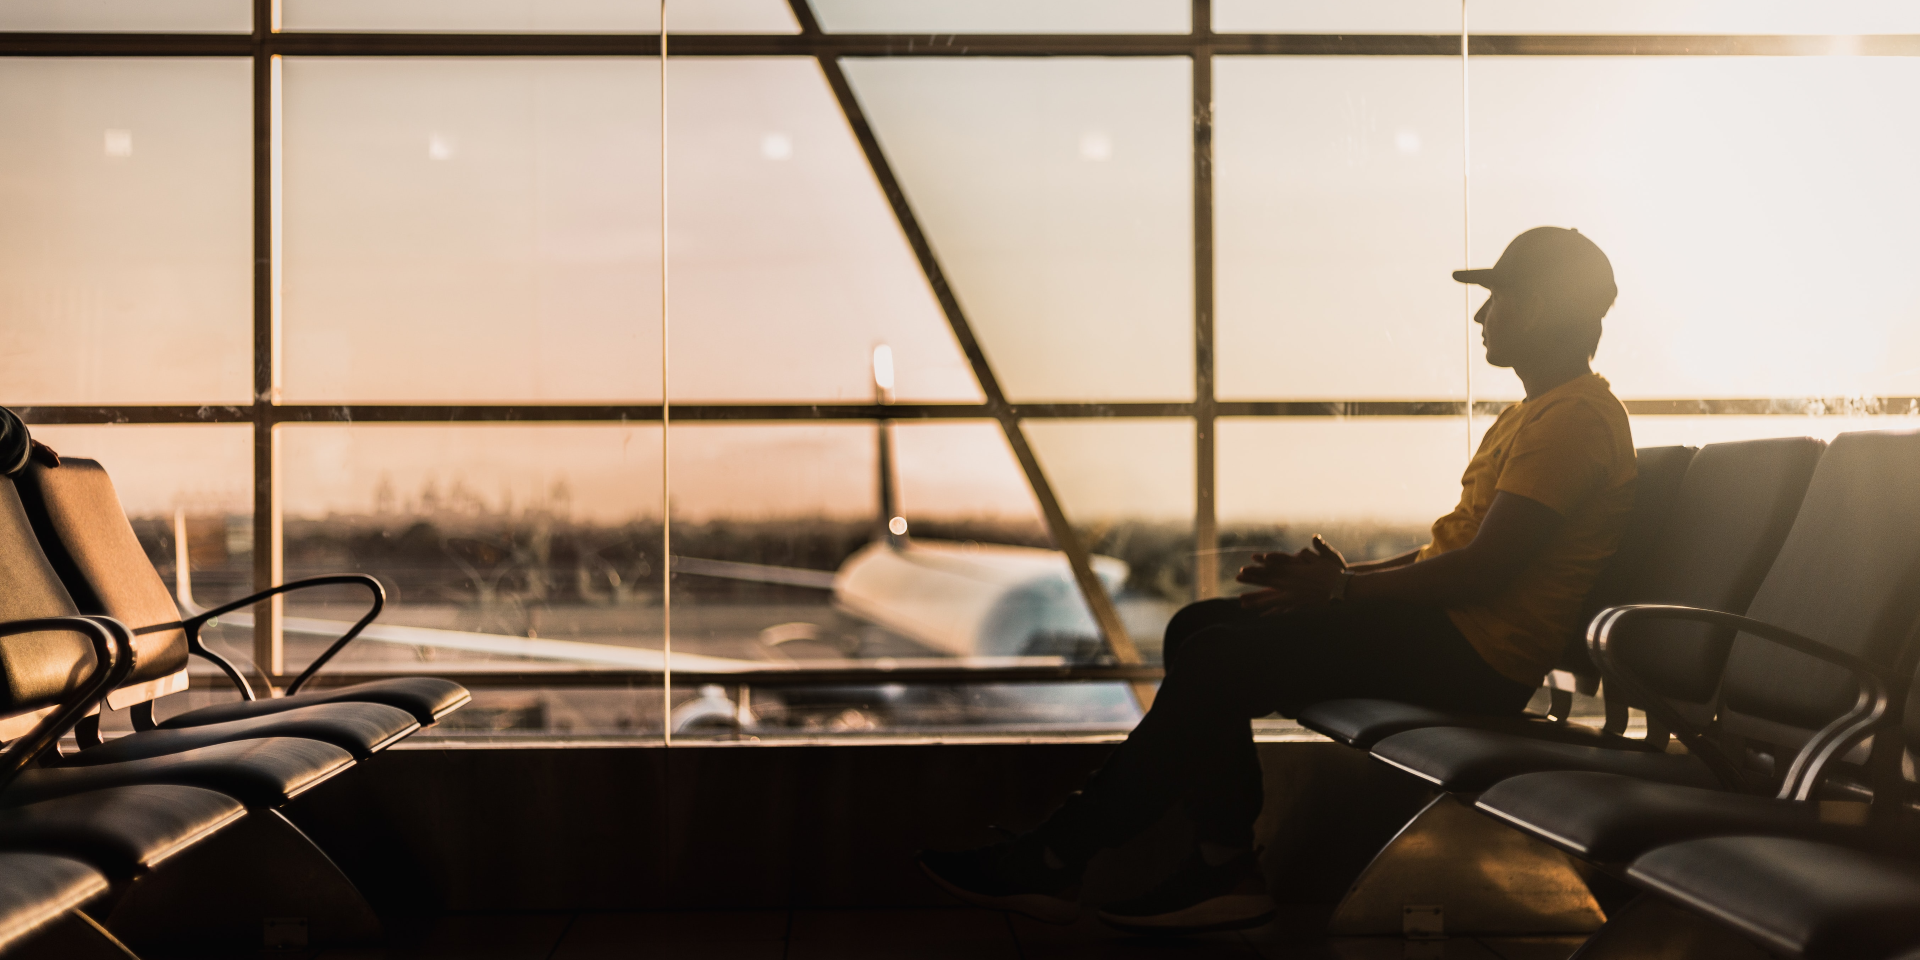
x,y
194,623
1869,708
113,658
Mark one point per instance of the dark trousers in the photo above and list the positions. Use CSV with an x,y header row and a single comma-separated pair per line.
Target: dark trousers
x,y
1226,667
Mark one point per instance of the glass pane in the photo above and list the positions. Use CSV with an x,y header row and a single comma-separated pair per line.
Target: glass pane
x,y
1339,203
1128,487
1756,211
129,16
483,230
1321,16
126,248
788,265
540,16
529,548
1694,16
787,566
1372,486
1058,196
1004,16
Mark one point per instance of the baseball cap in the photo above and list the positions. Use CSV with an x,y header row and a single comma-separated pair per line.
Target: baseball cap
x,y
1556,258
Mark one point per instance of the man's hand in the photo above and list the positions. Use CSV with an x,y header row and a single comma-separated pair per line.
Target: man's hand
x,y
42,454
1293,581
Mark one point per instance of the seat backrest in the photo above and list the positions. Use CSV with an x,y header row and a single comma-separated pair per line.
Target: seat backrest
x,y
36,669
1660,472
79,522
1656,485
1848,576
1732,513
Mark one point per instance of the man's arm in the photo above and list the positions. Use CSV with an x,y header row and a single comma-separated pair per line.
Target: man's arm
x,y
1374,566
1515,530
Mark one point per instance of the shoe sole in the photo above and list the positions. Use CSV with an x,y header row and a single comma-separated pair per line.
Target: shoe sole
x,y
1036,906
1231,912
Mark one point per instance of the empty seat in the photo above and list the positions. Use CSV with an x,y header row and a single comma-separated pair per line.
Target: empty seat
x,y
1798,897
122,832
37,889
46,669
79,521
258,773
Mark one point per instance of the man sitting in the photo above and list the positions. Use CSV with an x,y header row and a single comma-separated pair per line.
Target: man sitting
x,y
1470,622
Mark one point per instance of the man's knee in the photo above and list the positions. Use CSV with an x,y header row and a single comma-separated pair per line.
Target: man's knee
x,y
1211,650
1195,617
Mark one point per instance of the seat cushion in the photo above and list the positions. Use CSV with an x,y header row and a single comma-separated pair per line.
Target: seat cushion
x,y
427,698
1608,818
1361,723
258,773
1801,897
1468,761
36,889
361,729
121,831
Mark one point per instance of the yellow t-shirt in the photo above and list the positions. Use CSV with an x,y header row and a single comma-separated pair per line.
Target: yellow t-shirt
x,y
1571,450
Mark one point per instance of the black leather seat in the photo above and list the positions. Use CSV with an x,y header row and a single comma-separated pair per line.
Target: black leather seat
x,y
123,831
1798,897
1704,529
259,773
426,699
1609,818
37,889
1849,578
1465,760
79,522
361,729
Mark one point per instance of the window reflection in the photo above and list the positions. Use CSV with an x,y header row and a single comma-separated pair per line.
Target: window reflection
x,y
472,230
125,244
1057,194
1339,194
787,263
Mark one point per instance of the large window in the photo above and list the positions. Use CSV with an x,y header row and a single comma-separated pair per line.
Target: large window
x,y
889,368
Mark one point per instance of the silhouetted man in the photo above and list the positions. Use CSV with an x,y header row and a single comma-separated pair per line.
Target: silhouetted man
x,y
1470,622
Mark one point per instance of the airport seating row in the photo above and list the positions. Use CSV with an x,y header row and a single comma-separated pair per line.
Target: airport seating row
x,y
86,625
1770,635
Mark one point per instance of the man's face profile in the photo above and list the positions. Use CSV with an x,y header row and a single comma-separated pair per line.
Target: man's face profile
x,y
1506,320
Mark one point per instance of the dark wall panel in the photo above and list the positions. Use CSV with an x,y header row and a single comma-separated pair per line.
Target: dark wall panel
x,y
622,828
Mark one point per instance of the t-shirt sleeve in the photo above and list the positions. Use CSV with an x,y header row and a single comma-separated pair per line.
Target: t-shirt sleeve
x,y
1561,458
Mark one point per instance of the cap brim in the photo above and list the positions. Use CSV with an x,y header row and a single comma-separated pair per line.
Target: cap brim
x,y
1485,278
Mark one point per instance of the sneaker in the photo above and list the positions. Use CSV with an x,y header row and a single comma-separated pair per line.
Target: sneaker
x,y
1019,875
1199,898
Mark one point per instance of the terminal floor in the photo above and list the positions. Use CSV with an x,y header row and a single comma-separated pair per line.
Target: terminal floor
x,y
941,934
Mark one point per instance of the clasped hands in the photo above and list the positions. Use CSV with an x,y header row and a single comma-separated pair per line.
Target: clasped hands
x,y
1292,581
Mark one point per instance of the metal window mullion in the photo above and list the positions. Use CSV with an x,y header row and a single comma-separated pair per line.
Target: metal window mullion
x,y
269,653
1079,558
1206,527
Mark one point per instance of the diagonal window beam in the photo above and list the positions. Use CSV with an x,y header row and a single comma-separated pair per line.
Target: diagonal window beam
x,y
1079,559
